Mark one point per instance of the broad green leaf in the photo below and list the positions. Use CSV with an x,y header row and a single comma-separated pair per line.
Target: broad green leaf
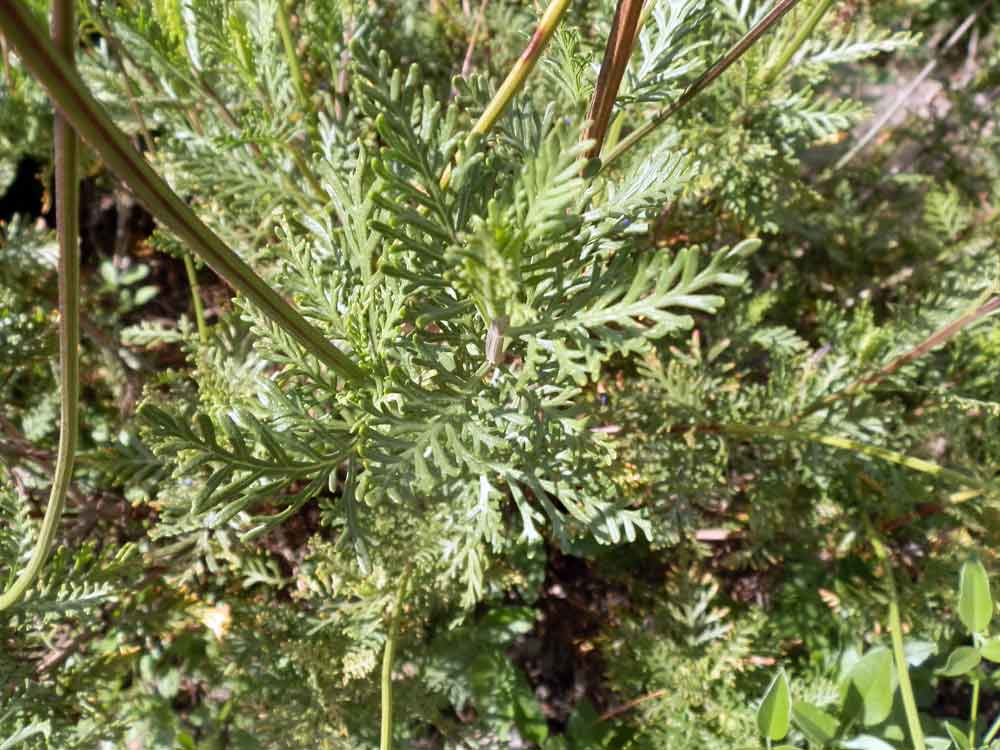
x,y
960,739
870,680
975,605
961,661
774,713
991,649
815,723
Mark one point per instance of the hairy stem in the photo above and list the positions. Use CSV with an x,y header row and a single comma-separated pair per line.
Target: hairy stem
x,y
68,228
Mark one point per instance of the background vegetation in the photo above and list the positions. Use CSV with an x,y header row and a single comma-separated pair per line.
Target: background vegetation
x,y
747,393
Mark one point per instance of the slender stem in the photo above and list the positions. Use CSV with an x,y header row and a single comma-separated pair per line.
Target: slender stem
x,y
629,705
873,451
992,732
199,309
90,120
132,94
789,50
518,74
68,228
285,31
385,730
973,713
7,72
987,305
524,65
896,631
704,80
616,56
306,171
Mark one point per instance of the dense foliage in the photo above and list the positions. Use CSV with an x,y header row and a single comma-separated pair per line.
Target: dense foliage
x,y
628,434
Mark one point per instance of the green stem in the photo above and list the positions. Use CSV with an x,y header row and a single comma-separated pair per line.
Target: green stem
x,y
199,310
987,304
992,732
133,96
71,96
973,713
789,50
524,65
703,81
285,31
872,451
896,631
385,731
68,228
307,172
518,74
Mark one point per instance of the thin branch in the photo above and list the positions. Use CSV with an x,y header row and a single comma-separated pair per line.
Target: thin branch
x,y
703,81
629,705
467,60
523,67
518,74
385,733
617,52
91,121
936,339
789,50
67,161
